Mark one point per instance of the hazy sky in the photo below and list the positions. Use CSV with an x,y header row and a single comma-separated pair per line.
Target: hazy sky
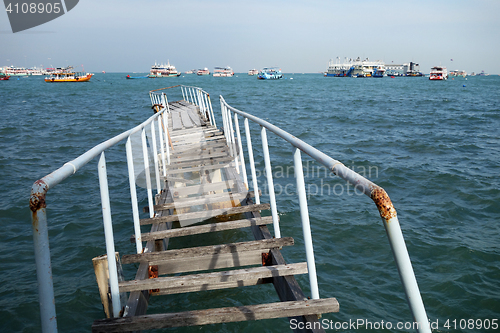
x,y
298,36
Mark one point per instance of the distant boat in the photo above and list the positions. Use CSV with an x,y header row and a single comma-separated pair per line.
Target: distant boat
x,y
270,73
203,71
438,73
162,70
190,71
253,72
69,77
103,72
223,72
137,77
4,77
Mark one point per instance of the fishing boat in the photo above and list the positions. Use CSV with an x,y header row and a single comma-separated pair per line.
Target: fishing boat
x,y
253,72
203,71
438,73
162,70
69,77
4,77
223,72
270,73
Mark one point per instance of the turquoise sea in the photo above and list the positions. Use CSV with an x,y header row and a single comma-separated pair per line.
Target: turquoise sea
x,y
433,146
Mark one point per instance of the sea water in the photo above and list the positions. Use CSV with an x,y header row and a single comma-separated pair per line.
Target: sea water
x,y
433,146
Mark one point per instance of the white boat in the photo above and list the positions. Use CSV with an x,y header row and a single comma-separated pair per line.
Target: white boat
x,y
438,73
223,72
162,70
253,72
203,71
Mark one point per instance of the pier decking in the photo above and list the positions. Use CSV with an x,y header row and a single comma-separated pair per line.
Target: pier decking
x,y
204,193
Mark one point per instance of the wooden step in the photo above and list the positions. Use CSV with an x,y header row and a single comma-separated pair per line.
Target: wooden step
x,y
219,315
203,189
199,282
199,155
201,169
213,261
205,228
190,164
205,214
154,258
204,200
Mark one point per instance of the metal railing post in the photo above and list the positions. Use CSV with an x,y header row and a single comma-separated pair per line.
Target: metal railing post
x,y
133,196
183,95
306,227
167,143
162,147
155,157
108,234
147,174
240,146
233,142
46,298
211,110
252,163
270,183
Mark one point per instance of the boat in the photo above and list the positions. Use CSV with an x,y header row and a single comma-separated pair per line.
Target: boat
x,y
223,72
356,68
438,73
457,73
4,77
162,70
16,71
379,71
253,72
270,73
137,77
203,71
69,77
190,71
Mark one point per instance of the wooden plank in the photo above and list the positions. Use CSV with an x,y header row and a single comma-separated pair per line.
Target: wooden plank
x,y
205,228
211,262
219,315
209,161
194,117
171,283
200,155
154,257
186,121
205,200
205,214
213,286
202,168
201,189
176,120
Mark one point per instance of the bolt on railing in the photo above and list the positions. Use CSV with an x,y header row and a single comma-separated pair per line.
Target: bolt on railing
x,y
375,192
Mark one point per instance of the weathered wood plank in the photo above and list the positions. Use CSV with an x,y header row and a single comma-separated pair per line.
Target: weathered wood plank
x,y
205,228
211,262
176,120
213,286
156,257
201,189
200,155
220,315
202,168
207,199
211,161
205,214
186,121
200,280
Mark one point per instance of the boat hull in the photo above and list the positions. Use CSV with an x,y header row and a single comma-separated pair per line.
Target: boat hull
x,y
85,78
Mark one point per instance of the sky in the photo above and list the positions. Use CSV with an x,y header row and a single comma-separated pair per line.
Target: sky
x,y
297,36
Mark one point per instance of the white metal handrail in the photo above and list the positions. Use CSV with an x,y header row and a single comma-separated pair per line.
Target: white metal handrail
x,y
375,192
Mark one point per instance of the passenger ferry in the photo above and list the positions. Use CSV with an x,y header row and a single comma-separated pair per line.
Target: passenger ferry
x,y
253,72
69,77
163,70
203,71
438,73
270,73
223,72
356,68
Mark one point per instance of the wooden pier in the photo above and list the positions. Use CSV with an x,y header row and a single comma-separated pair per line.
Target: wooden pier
x,y
204,193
